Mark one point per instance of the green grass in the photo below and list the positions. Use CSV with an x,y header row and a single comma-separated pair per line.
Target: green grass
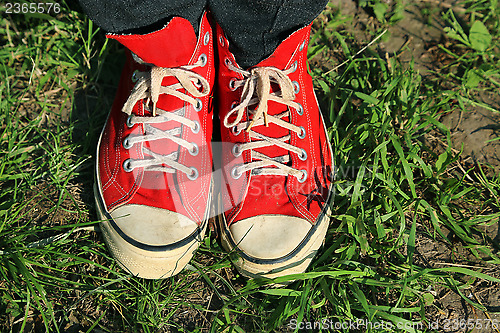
x,y
394,189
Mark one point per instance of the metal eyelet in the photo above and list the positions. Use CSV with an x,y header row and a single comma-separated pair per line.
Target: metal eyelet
x,y
302,45
300,110
227,62
232,84
304,176
126,143
236,150
126,165
294,67
129,122
195,149
234,104
303,155
198,84
221,40
235,173
134,76
196,128
235,130
199,105
302,133
203,59
194,174
296,87
206,38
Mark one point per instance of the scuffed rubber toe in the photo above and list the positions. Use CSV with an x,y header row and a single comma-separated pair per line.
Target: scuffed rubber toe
x,y
149,242
153,226
269,236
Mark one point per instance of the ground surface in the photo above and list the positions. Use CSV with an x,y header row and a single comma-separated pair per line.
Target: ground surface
x,y
415,242
415,38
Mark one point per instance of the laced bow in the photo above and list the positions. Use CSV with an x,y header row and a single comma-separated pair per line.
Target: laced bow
x,y
149,87
257,91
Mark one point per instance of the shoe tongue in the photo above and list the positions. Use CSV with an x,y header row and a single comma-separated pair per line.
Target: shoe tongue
x,y
280,59
171,46
273,131
282,54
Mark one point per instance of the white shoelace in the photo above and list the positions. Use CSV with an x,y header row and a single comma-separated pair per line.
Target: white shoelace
x,y
149,87
256,91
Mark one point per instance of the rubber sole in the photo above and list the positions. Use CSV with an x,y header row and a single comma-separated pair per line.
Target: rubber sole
x,y
148,262
294,262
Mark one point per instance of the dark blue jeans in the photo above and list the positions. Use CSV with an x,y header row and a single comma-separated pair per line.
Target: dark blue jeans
x,y
254,27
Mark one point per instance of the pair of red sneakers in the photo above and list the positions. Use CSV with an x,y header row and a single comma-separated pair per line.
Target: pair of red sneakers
x,y
155,184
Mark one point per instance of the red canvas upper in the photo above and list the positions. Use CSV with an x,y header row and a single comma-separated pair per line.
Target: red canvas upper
x,y
174,46
171,46
252,195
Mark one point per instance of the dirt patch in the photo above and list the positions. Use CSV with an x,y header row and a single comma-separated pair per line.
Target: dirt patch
x,y
449,311
476,132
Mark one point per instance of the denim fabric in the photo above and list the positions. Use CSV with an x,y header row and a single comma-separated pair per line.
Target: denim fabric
x,y
254,27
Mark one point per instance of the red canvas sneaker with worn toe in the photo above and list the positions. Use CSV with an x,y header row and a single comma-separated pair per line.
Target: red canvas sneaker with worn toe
x,y
154,160
277,161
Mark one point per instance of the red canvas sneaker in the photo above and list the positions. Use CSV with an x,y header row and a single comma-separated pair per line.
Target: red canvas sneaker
x,y
277,160
154,160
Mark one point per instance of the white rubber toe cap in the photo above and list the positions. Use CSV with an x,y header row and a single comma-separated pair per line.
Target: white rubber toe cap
x,y
269,236
151,225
